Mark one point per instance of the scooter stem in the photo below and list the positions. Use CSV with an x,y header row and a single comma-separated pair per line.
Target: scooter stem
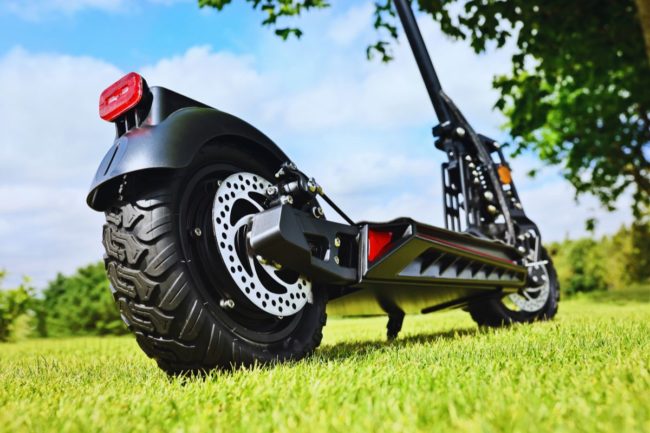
x,y
423,59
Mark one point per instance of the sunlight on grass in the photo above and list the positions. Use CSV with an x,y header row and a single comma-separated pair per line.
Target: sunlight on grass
x,y
587,371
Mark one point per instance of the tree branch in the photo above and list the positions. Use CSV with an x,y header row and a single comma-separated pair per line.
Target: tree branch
x,y
643,7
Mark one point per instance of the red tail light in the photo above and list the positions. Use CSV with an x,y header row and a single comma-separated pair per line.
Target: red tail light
x,y
378,243
121,96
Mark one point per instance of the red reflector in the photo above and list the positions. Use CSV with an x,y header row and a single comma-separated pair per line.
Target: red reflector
x,y
120,96
378,243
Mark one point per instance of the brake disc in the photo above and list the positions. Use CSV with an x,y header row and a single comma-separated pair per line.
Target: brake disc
x,y
277,291
532,299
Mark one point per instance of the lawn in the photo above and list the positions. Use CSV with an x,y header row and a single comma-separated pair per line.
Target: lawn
x,y
587,371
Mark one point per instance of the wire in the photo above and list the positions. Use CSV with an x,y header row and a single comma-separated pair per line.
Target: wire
x,y
336,208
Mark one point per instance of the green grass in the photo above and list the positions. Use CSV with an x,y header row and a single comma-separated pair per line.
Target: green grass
x,y
587,371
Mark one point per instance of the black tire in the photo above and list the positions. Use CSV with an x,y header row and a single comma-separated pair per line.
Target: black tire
x,y
167,283
496,312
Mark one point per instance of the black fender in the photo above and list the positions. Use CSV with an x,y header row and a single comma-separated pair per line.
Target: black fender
x,y
171,144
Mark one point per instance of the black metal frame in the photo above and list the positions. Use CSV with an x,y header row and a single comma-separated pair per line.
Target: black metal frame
x,y
475,198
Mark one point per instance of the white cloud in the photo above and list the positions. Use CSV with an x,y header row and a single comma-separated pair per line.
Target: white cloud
x,y
362,129
35,10
350,25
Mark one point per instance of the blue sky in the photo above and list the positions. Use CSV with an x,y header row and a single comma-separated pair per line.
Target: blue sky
x,y
361,128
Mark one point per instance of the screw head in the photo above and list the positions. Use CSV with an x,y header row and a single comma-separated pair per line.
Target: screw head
x,y
337,242
286,199
460,132
227,304
272,190
317,211
198,232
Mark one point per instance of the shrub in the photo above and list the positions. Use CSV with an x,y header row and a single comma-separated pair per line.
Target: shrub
x,y
81,304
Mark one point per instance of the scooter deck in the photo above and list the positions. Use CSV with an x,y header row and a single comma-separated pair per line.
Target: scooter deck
x,y
425,269
419,254
410,264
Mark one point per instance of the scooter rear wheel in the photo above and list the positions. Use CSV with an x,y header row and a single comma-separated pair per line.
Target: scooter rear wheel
x,y
177,274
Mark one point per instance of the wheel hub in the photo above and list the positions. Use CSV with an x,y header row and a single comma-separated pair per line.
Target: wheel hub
x,y
532,299
270,288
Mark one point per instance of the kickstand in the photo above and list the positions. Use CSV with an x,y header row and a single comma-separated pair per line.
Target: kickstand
x,y
395,317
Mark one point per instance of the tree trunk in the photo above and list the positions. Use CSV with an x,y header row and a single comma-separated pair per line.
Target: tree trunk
x,y
644,17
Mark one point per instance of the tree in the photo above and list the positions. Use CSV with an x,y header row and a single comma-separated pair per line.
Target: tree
x,y
81,304
644,17
17,309
577,94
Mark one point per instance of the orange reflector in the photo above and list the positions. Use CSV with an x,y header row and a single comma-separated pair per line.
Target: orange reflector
x,y
504,174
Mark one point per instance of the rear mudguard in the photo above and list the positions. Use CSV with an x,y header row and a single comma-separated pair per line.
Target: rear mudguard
x,y
172,144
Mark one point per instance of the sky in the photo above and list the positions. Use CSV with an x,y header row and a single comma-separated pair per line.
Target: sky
x,y
361,128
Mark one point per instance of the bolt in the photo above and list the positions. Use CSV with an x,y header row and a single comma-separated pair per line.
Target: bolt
x,y
471,165
474,173
286,199
317,211
197,232
518,206
468,158
311,185
336,259
271,191
488,195
227,304
219,182
521,249
262,260
476,181
460,132
337,242
277,266
496,145
492,209
535,279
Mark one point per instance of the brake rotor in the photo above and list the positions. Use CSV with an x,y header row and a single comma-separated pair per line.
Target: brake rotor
x,y
532,299
272,289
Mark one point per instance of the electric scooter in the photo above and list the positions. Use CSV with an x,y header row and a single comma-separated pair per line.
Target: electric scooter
x,y
219,253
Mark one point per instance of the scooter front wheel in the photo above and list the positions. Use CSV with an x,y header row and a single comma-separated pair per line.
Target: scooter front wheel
x,y
184,279
530,304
